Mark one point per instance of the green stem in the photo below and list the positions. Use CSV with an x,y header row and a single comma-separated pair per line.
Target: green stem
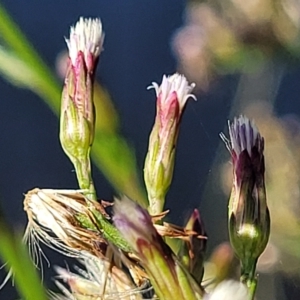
x,y
84,177
156,206
252,284
249,278
85,181
109,232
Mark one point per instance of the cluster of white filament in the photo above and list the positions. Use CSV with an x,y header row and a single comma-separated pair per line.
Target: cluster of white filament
x,y
174,83
243,135
95,281
86,36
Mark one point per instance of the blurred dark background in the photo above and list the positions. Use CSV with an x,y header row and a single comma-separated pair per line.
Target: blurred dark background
x,y
137,51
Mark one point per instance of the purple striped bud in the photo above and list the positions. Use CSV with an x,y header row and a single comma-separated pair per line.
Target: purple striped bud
x,y
249,219
169,278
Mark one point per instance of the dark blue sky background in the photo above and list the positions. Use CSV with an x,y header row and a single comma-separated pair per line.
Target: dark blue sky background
x,y
137,52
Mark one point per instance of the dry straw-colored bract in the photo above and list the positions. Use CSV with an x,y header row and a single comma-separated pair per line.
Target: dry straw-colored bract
x,y
58,218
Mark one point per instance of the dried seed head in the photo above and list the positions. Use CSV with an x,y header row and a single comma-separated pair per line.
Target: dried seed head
x,y
98,280
61,220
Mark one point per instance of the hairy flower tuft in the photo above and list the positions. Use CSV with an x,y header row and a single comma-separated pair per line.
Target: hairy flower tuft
x,y
86,37
174,84
244,135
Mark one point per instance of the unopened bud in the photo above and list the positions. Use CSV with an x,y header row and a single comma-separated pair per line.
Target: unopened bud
x,y
77,108
158,171
193,250
169,278
249,219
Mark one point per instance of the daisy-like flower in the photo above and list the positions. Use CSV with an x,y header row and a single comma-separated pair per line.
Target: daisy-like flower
x,y
61,220
172,96
168,277
77,120
249,219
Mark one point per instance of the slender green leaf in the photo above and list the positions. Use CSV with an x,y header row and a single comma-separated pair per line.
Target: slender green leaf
x,y
22,66
14,252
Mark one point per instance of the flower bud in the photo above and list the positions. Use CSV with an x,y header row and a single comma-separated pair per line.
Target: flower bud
x,y
249,219
158,170
77,120
169,278
194,247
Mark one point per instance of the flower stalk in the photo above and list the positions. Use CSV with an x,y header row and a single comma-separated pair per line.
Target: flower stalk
x,y
172,96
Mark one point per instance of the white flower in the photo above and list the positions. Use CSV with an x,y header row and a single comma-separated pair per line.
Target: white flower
x,y
229,290
86,36
176,83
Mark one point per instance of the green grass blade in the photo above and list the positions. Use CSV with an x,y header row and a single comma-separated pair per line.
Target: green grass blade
x,y
14,252
22,66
